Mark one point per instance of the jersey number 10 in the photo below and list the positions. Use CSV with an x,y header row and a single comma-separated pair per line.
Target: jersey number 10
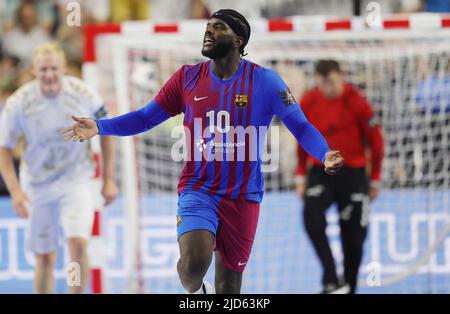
x,y
223,121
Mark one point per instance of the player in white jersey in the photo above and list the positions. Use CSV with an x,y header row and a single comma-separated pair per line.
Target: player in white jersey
x,y
55,176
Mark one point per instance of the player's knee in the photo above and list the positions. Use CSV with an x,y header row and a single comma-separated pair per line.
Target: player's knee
x,y
353,237
195,265
312,219
78,242
77,247
45,261
354,245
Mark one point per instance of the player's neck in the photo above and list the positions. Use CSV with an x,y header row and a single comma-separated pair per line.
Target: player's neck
x,y
226,67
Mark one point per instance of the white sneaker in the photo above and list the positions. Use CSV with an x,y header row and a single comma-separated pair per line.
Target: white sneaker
x,y
342,289
206,288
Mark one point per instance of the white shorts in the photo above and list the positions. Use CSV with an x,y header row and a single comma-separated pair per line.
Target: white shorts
x,y
73,211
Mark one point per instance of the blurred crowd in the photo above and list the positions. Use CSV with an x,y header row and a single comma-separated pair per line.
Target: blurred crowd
x,y
26,23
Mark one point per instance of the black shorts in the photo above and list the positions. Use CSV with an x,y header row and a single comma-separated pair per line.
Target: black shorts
x,y
348,188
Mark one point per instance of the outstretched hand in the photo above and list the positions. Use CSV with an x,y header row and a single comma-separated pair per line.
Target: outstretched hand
x,y
82,130
333,162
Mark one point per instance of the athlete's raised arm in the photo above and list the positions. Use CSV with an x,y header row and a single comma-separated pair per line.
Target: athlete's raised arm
x,y
313,141
284,106
128,124
168,102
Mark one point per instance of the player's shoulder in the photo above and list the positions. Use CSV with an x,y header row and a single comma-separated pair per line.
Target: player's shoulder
x,y
310,98
311,93
27,93
267,77
199,65
352,91
354,96
76,87
191,73
194,69
261,71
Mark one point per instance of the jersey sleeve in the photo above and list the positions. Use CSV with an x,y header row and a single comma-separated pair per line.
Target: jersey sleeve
x,y
281,101
133,122
170,97
88,97
10,127
306,134
302,155
98,107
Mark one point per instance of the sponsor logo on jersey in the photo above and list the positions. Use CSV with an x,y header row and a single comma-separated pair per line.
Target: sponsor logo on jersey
x,y
199,98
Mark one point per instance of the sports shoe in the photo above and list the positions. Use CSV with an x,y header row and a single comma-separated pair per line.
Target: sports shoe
x,y
206,288
343,288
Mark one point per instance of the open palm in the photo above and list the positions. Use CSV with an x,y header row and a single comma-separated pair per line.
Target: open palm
x,y
82,130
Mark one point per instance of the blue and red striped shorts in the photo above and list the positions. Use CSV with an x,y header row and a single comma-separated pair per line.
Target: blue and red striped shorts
x,y
232,221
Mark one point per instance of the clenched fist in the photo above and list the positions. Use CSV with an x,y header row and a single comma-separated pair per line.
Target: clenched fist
x,y
333,161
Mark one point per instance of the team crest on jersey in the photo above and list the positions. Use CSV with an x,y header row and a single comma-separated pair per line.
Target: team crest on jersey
x,y
287,98
241,100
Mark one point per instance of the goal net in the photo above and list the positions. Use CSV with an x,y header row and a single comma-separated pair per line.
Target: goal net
x,y
405,75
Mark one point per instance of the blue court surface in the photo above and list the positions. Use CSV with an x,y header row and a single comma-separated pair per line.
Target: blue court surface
x,y
403,227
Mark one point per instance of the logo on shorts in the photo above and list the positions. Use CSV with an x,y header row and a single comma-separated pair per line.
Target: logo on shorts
x,y
241,263
178,220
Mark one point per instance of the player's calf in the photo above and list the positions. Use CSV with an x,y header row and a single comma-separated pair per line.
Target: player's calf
x,y
43,280
226,280
78,250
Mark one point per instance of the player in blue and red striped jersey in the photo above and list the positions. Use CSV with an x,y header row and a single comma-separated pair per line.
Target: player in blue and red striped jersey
x,y
228,104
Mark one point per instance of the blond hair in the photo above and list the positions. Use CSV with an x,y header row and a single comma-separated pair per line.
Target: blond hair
x,y
48,47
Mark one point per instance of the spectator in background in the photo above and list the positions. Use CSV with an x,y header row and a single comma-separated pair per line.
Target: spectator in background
x,y
7,87
437,6
3,17
339,8
123,10
97,11
44,12
70,38
8,77
281,8
174,10
249,8
25,35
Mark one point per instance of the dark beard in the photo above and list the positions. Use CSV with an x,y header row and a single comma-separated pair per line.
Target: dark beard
x,y
220,49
